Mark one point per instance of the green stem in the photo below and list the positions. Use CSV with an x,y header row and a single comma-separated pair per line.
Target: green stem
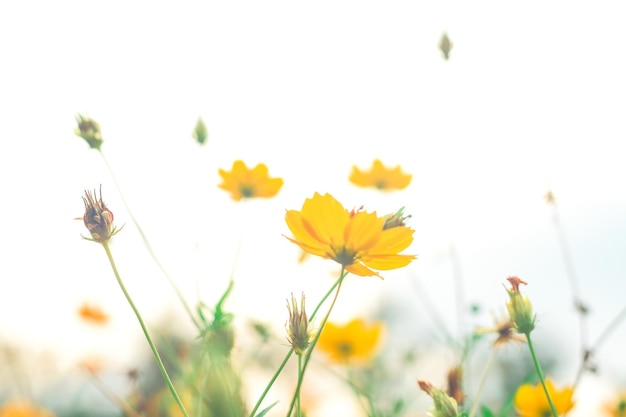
x,y
291,351
300,375
166,377
481,385
148,246
540,374
309,352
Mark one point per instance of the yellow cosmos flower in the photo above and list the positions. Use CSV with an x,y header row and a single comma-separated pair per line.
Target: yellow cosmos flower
x,y
531,401
357,240
380,177
354,343
21,408
243,182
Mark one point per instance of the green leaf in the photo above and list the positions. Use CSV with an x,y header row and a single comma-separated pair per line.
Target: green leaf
x,y
265,410
486,412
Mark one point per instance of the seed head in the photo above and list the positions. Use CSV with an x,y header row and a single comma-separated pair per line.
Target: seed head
x,y
298,332
98,218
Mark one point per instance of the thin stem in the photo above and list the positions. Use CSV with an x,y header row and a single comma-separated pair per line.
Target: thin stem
x,y
112,396
291,351
148,246
300,375
166,377
481,384
603,336
309,352
370,409
540,374
570,272
459,290
432,311
609,329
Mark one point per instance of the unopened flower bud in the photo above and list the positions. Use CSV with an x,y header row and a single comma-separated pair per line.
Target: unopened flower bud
x,y
445,406
520,307
98,218
200,133
445,45
298,332
397,219
89,130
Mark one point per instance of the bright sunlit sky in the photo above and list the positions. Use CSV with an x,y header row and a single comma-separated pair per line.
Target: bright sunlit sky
x,y
533,97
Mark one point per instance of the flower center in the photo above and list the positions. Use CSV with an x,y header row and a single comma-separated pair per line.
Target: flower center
x,y
381,185
344,257
247,191
345,349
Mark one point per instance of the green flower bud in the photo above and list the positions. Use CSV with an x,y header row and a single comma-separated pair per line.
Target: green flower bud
x,y
520,307
89,130
200,133
445,406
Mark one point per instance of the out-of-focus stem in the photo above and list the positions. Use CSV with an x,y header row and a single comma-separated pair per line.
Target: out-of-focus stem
x,y
148,246
166,377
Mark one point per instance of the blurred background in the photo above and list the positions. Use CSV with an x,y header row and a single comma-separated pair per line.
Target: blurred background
x,y
531,99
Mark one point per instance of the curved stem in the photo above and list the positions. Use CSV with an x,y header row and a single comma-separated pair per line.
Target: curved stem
x,y
148,246
309,352
291,351
481,385
166,377
540,374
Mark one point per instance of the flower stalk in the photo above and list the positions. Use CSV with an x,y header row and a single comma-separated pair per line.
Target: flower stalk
x,y
540,374
153,348
292,350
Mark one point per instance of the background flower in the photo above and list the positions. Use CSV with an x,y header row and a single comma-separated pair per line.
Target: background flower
x,y
243,182
354,342
531,401
20,408
92,314
380,177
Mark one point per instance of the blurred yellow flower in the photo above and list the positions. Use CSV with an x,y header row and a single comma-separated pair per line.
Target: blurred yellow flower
x,y
92,314
21,408
531,401
357,240
243,182
380,177
617,407
354,343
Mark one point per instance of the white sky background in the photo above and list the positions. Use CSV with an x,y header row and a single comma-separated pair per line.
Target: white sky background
x,y
533,96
